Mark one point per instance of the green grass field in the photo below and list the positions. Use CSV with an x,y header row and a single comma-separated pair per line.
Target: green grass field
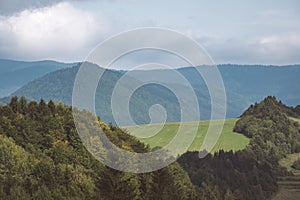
x,y
228,140
288,161
295,119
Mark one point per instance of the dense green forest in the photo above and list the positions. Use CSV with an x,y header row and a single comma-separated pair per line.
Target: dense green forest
x,y
250,173
42,157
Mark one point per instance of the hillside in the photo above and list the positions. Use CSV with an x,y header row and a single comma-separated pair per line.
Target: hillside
x,y
254,172
274,125
244,85
289,188
58,86
258,81
228,140
42,157
14,74
46,159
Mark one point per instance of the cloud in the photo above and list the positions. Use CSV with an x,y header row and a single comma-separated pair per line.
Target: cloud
x,y
60,31
270,49
68,31
9,7
276,14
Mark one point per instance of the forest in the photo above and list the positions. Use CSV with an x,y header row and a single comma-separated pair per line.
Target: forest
x,y
42,157
250,173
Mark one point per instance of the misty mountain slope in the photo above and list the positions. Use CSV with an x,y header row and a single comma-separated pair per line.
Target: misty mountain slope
x,y
248,82
14,74
58,86
257,81
243,84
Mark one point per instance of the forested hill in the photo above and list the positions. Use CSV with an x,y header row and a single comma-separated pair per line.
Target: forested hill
x,y
269,122
42,157
244,85
270,105
15,74
250,173
58,86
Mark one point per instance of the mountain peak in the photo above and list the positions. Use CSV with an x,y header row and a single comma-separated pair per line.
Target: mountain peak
x,y
269,106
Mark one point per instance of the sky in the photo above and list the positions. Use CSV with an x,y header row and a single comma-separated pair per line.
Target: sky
x,y
231,31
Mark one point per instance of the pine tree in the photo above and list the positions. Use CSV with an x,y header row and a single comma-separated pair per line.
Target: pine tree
x,y
23,105
14,104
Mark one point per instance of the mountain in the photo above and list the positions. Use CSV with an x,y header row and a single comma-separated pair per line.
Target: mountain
x,y
270,120
244,85
257,81
58,86
14,74
250,82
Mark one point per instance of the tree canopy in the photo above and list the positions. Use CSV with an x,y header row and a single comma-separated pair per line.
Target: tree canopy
x,y
42,157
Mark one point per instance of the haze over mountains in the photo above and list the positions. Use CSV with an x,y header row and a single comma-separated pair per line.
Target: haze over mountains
x,y
250,81
14,74
244,84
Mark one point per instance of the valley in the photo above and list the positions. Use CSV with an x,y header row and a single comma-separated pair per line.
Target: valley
x,y
251,160
149,100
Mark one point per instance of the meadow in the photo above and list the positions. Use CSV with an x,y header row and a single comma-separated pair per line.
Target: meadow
x,y
227,141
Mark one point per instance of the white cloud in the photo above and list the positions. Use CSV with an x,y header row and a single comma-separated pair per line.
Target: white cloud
x,y
67,31
270,49
60,31
9,7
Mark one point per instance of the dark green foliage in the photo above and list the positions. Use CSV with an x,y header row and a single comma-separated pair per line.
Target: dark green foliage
x,y
15,167
228,175
296,164
270,106
297,110
250,173
42,157
273,133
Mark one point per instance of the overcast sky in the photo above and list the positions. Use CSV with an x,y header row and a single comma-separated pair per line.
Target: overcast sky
x,y
231,31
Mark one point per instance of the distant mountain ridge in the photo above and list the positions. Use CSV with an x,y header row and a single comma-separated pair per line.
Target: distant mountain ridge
x,y
251,81
58,86
244,85
14,74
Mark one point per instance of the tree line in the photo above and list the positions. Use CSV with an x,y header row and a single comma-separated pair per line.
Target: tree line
x,y
42,157
250,173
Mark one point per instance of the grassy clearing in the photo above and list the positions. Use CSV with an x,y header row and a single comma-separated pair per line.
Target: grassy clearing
x,y
228,140
295,119
288,161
